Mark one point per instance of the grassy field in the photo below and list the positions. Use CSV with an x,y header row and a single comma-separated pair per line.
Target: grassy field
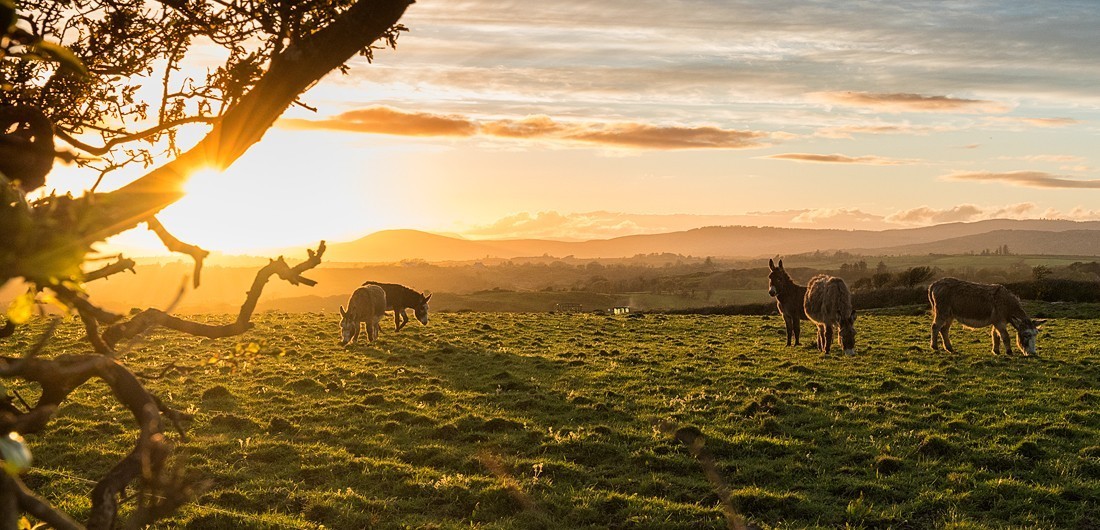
x,y
581,421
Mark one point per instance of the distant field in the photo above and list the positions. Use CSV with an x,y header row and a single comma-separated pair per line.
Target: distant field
x,y
571,421
537,301
945,262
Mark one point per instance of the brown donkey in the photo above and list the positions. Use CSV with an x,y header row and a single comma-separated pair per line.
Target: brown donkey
x,y
977,305
829,304
789,298
366,305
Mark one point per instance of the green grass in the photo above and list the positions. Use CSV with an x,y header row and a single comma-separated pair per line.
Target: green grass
x,y
572,421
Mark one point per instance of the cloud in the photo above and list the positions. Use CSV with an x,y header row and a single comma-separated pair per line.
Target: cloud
x,y
841,159
1046,158
847,131
386,120
632,135
902,102
1027,179
603,224
1038,122
827,217
925,215
590,225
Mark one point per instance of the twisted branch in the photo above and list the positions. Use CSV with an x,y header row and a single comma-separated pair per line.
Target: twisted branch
x,y
122,265
175,245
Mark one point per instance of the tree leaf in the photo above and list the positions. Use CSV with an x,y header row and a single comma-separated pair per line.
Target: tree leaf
x,y
22,308
64,57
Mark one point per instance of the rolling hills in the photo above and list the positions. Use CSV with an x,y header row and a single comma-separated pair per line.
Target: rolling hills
x,y
1055,237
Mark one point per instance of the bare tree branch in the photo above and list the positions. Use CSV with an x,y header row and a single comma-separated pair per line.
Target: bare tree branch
x,y
144,320
36,506
122,265
175,245
131,137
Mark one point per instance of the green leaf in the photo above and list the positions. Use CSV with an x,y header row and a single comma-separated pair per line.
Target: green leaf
x,y
22,308
64,57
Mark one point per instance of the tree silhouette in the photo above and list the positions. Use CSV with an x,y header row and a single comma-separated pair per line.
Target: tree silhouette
x,y
70,74
915,276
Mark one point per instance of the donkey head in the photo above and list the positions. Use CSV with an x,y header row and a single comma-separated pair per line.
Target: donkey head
x,y
349,328
421,309
778,279
1027,330
848,334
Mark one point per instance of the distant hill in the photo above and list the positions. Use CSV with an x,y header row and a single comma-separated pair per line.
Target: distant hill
x,y
734,242
1032,242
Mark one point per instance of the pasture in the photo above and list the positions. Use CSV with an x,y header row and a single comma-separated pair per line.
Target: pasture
x,y
573,421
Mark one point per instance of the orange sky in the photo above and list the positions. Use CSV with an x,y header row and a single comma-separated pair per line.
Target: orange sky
x,y
576,119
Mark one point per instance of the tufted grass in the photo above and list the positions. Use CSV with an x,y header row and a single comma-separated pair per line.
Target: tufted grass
x,y
581,421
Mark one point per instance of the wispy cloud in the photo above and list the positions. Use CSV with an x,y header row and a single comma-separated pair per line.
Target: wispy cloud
x,y
903,102
1046,158
925,215
841,159
848,217
631,135
1046,123
1027,179
386,120
847,131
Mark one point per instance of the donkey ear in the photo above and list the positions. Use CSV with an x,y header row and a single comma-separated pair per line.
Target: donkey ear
x,y
771,264
429,297
342,312
853,315
780,264
1039,322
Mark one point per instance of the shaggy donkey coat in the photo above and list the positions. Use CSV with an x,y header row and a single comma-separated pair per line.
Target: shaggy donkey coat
x,y
829,305
399,298
368,305
977,305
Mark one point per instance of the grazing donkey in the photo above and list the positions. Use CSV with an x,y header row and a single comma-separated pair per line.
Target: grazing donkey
x,y
977,305
789,298
829,304
399,298
367,304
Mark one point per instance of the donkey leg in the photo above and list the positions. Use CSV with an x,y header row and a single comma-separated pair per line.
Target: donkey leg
x,y
1000,332
403,316
935,336
945,333
796,325
828,338
789,328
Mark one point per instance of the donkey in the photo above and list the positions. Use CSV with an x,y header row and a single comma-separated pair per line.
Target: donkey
x,y
367,304
829,304
789,297
399,298
977,305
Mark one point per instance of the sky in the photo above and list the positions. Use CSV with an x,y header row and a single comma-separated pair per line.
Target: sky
x,y
591,119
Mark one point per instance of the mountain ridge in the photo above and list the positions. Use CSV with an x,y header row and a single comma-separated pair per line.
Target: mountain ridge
x,y
390,246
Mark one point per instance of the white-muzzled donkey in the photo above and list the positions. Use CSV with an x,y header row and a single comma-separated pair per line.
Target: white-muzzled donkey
x,y
367,305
